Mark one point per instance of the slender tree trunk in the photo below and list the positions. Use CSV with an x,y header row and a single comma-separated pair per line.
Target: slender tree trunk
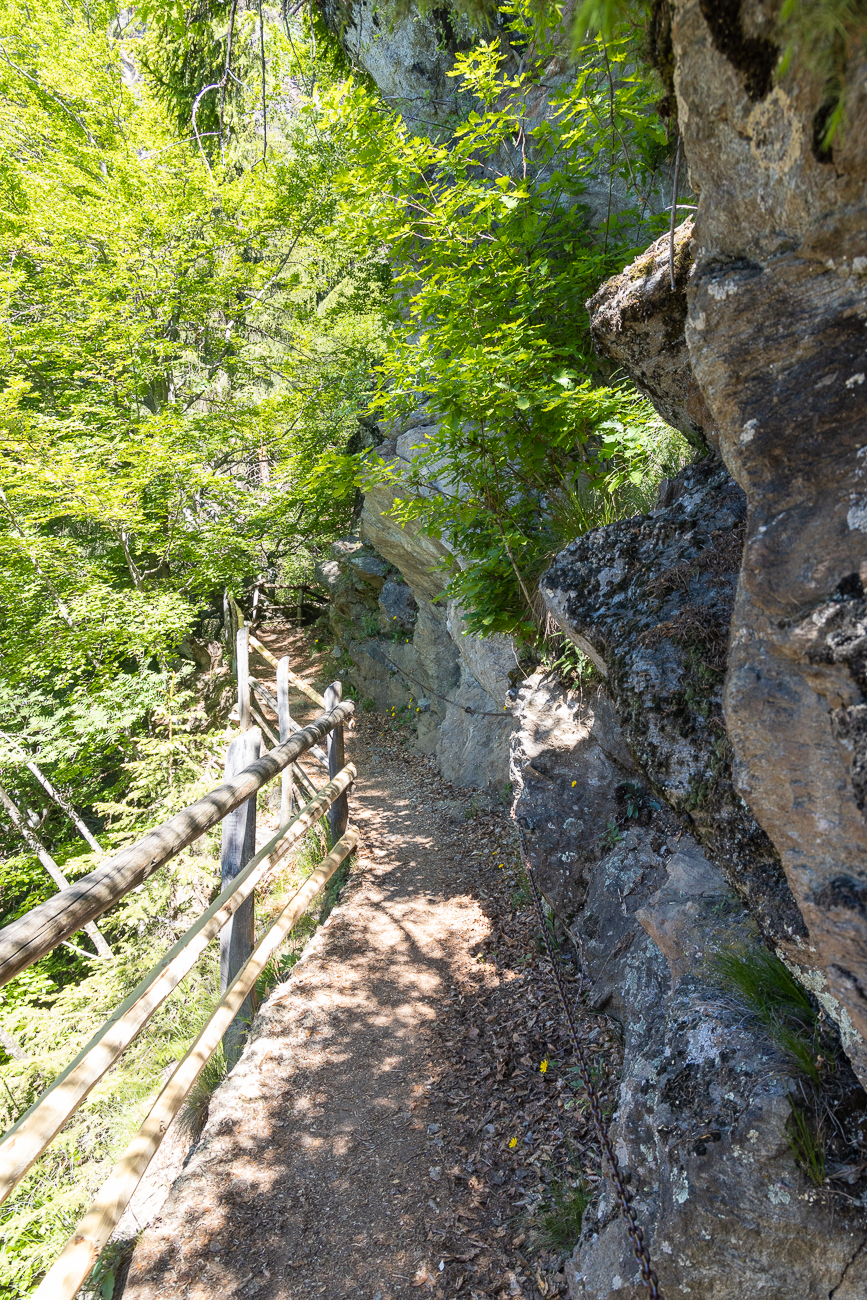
x,y
50,866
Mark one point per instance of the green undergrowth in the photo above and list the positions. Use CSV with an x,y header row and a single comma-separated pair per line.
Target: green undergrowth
x,y
766,987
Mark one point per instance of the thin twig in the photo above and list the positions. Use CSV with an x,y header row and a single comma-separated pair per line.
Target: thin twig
x,y
196,102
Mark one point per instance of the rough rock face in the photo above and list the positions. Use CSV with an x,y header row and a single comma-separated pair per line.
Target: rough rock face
x,y
637,320
407,54
701,1126
705,1102
649,599
777,333
410,649
570,769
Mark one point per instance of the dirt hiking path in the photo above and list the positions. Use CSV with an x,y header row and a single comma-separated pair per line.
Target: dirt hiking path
x,y
389,1130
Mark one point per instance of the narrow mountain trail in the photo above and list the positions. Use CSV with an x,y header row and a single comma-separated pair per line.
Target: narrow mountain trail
x,y
401,1116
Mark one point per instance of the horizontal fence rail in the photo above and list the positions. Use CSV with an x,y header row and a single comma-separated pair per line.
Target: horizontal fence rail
x,y
230,915
25,1142
82,1250
32,936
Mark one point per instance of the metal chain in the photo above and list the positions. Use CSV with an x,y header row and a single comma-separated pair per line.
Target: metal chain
x,y
624,1196
476,713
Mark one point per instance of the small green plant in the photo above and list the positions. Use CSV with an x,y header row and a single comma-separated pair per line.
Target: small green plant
x,y
334,889
102,1281
520,897
370,625
611,837
808,1146
368,705
765,986
194,1113
563,1215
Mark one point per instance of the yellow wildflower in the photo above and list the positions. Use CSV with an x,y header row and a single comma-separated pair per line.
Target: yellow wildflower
x,y
513,1143
544,1066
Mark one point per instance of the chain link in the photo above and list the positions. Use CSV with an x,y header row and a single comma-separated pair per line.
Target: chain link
x,y
624,1196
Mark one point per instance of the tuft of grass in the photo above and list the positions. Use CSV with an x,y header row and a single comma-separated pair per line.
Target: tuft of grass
x,y
767,988
193,1115
563,1215
807,1146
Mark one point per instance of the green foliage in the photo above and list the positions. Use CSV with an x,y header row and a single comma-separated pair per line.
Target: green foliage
x,y
765,986
610,838
501,240
563,1215
183,353
185,49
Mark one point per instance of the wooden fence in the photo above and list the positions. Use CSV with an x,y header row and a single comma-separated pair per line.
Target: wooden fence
x,y
231,915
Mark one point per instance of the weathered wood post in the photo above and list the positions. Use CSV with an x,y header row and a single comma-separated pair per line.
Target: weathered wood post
x,y
285,732
338,815
239,845
242,660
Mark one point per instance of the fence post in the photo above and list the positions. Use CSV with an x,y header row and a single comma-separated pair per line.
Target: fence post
x,y
285,718
242,659
339,812
239,845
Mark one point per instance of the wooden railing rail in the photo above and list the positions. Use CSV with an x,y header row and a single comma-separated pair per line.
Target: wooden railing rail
x,y
230,915
82,1250
24,941
273,704
29,1137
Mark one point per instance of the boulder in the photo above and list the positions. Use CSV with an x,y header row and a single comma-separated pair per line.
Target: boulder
x,y
397,605
637,321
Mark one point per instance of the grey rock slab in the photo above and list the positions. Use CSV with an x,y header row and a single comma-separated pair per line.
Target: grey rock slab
x,y
704,1102
417,557
568,757
488,659
473,749
651,599
369,567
